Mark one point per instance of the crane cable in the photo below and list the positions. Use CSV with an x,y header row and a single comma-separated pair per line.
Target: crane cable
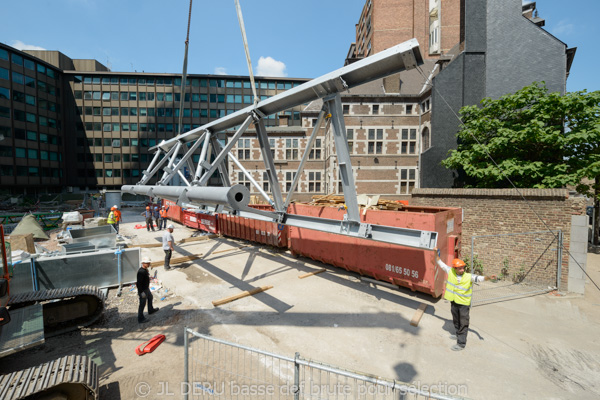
x,y
184,74
245,40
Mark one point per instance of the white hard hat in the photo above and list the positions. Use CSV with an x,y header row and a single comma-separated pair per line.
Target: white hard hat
x,y
146,260
116,206
170,226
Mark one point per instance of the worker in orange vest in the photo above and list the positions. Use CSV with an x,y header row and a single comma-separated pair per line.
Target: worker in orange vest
x,y
163,218
118,217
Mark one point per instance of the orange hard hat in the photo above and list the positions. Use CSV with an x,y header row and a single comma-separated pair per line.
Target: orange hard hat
x,y
147,208
113,208
458,263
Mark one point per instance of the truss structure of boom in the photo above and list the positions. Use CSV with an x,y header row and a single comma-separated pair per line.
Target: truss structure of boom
x,y
172,155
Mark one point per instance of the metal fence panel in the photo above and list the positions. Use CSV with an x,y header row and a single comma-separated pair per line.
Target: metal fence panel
x,y
526,263
217,369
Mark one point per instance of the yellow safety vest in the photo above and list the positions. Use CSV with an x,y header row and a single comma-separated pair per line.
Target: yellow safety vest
x,y
459,292
111,218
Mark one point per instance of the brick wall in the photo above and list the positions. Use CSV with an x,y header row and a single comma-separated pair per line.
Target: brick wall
x,y
501,212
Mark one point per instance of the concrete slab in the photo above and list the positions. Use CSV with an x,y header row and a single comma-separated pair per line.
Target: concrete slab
x,y
544,346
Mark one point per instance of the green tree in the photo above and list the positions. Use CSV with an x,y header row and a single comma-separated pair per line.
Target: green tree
x,y
537,139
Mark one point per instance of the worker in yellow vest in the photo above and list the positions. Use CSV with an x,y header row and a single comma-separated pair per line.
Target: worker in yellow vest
x,y
459,288
112,219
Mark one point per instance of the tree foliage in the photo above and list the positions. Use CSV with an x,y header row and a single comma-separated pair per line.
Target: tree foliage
x,y
537,139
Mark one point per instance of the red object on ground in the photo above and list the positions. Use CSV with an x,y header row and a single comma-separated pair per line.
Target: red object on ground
x,y
399,265
138,226
150,345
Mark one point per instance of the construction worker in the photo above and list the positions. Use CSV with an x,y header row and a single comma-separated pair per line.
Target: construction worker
x,y
168,245
459,288
112,219
163,218
148,216
156,215
143,288
117,216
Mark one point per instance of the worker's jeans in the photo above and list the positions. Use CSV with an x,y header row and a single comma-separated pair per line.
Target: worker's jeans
x,y
460,318
168,258
143,303
149,224
162,223
116,226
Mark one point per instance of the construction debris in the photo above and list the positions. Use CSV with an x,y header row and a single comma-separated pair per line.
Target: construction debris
x,y
368,203
312,273
418,315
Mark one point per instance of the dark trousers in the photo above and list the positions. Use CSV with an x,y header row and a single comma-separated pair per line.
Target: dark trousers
x,y
162,223
460,318
143,300
149,224
168,258
116,226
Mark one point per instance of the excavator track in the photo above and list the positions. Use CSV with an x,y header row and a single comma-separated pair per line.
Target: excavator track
x,y
70,377
65,309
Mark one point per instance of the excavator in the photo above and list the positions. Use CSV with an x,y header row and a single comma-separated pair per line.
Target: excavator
x,y
26,319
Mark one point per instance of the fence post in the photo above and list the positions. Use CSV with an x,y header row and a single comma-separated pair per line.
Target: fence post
x,y
560,261
185,366
296,377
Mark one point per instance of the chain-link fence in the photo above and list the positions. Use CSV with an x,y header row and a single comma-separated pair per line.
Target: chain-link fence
x,y
525,263
218,369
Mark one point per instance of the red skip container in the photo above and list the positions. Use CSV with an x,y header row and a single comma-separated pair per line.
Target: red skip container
x,y
254,230
399,265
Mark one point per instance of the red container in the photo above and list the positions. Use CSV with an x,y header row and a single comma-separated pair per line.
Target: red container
x,y
399,265
174,213
208,223
254,230
190,219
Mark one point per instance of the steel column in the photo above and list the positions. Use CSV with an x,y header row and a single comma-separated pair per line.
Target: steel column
x,y
198,174
265,149
343,157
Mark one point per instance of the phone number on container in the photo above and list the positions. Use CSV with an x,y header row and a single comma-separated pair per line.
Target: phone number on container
x,y
402,271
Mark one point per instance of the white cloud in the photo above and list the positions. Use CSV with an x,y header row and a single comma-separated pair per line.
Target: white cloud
x,y
17,44
220,71
563,28
268,66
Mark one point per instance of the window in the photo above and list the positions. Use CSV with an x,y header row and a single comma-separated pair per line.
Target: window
x,y
3,73
31,135
408,143
315,152
243,149
350,140
375,109
32,154
289,179
345,109
20,152
272,145
425,139
108,158
409,108
243,180
4,112
314,181
265,181
17,59
375,143
407,180
291,149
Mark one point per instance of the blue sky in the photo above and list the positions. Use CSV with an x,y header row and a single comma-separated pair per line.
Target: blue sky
x,y
295,38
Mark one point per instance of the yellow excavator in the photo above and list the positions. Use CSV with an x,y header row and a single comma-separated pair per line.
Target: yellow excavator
x,y
26,319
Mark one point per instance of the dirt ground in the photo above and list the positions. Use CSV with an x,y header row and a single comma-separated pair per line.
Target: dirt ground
x,y
542,346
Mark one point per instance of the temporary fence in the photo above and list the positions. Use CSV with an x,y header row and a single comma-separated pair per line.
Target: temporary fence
x,y
526,263
218,369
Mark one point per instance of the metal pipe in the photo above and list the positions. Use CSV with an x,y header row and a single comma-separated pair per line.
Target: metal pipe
x,y
119,271
33,275
235,196
202,156
247,174
186,349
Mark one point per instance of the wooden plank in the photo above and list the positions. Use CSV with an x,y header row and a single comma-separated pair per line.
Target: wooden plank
x,y
177,260
197,239
241,295
418,315
145,245
312,273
